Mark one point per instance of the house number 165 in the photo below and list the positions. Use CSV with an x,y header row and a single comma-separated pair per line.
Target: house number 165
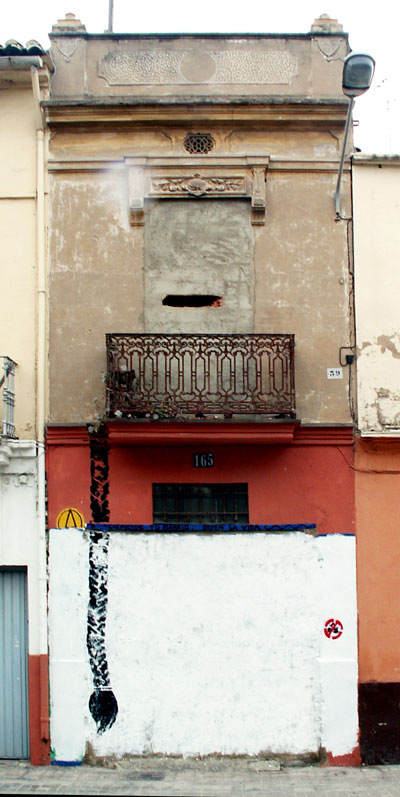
x,y
203,460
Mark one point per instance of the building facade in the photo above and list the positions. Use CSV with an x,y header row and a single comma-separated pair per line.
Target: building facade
x,y
24,82
202,581
377,450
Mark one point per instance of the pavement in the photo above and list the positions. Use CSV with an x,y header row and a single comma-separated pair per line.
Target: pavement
x,y
216,777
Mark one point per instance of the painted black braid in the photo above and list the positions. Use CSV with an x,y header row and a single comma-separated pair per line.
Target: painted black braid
x,y
103,705
97,609
99,484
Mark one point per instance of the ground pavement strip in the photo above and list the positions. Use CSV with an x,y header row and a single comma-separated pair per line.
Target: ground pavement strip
x,y
214,777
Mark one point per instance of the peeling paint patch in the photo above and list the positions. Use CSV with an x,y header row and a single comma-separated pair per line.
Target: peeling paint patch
x,y
386,343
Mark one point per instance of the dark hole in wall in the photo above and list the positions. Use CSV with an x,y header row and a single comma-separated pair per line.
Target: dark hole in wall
x,y
193,300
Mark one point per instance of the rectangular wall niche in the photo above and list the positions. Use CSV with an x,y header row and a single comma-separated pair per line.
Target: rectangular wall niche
x,y
199,254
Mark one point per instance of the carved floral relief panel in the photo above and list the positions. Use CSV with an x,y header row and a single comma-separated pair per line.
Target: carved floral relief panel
x,y
125,68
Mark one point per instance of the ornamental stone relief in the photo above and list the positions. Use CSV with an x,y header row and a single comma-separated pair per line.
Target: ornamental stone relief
x,y
148,179
66,47
197,185
123,68
328,47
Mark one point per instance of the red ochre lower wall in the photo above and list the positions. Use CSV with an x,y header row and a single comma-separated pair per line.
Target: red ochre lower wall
x,y
38,684
377,480
377,497
352,759
295,483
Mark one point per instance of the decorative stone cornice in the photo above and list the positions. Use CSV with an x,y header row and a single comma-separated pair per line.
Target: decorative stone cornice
x,y
71,435
270,432
128,110
5,454
11,450
177,178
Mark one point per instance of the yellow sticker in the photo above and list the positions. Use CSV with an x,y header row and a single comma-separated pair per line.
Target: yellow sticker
x,y
70,517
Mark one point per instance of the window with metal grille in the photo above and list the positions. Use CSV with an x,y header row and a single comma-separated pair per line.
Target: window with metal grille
x,y
200,503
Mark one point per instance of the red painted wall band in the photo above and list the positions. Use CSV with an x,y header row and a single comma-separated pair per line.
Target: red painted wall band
x,y
39,736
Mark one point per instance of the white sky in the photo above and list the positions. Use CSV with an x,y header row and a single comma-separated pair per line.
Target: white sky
x,y
373,27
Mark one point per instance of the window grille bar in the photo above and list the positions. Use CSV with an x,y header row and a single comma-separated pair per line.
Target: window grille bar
x,y
200,503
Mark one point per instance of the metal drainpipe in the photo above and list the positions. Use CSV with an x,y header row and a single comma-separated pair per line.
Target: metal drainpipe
x,y
344,147
41,399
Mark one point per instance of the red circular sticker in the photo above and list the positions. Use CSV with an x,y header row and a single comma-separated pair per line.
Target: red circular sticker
x,y
333,629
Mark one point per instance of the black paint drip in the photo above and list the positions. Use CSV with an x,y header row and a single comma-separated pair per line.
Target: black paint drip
x,y
103,705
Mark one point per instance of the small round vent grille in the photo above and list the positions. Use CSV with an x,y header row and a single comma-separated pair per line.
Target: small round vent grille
x,y
196,143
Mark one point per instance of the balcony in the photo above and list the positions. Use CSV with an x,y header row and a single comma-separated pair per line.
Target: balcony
x,y
8,403
186,377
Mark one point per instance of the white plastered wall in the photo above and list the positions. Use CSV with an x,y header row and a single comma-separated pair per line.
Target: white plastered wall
x,y
21,535
376,198
215,644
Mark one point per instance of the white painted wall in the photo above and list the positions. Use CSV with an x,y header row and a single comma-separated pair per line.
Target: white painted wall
x,y
21,536
376,200
215,643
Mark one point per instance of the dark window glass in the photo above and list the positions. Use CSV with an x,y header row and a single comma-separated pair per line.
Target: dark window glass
x,y
200,503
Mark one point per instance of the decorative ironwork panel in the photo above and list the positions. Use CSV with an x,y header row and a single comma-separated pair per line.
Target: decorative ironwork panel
x,y
176,376
199,143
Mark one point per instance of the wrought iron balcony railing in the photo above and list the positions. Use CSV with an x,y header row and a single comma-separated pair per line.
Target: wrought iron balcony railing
x,y
174,376
7,387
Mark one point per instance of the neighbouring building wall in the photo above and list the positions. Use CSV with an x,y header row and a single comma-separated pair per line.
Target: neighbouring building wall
x,y
376,181
18,248
250,607
24,80
23,545
377,463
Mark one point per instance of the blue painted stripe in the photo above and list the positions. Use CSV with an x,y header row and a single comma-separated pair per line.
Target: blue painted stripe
x,y
210,527
65,763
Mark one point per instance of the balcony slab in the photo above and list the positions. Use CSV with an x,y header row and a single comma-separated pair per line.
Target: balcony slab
x,y
202,433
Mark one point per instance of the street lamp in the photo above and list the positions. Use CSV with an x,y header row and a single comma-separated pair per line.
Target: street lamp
x,y
358,71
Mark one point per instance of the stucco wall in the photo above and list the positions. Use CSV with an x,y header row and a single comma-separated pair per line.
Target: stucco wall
x,y
18,248
293,279
214,643
376,182
275,111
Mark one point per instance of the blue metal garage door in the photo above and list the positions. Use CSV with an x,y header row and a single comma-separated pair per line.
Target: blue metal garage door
x,y
14,738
